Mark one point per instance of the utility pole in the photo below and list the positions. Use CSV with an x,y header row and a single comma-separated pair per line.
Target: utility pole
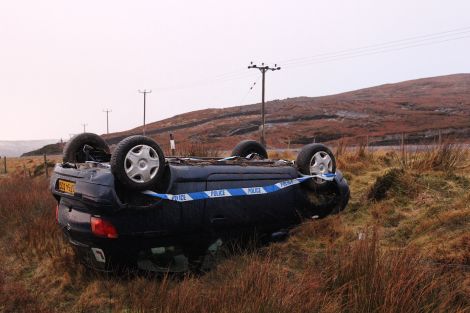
x,y
84,127
263,69
145,92
107,111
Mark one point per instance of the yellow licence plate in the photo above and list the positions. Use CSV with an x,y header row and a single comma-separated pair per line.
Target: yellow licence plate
x,y
66,186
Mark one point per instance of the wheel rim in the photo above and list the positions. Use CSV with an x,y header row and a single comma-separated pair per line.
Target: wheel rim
x,y
141,164
320,163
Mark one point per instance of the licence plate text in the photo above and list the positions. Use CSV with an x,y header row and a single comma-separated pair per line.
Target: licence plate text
x,y
66,186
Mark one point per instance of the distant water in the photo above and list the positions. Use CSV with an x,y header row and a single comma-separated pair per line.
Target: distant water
x,y
16,148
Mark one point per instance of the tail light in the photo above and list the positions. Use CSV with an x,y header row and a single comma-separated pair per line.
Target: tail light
x,y
103,228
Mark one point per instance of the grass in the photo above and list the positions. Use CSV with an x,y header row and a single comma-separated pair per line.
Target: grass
x,y
407,250
194,150
443,156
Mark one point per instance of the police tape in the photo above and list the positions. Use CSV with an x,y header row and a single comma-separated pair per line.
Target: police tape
x,y
237,192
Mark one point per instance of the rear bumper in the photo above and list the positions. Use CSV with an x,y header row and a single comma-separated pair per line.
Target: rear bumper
x,y
126,251
116,255
102,254
93,258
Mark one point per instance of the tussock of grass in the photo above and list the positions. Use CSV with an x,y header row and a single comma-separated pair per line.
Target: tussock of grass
x,y
384,183
394,183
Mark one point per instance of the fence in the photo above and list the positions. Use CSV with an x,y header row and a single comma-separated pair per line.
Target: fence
x,y
40,169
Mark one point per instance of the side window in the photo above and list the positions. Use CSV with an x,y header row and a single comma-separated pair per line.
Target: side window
x,y
192,212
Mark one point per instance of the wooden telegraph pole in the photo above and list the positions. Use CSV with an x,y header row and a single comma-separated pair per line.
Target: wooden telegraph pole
x,y
263,69
145,92
107,111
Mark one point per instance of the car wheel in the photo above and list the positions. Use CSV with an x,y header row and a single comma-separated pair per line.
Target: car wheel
x,y
73,150
138,162
316,159
247,147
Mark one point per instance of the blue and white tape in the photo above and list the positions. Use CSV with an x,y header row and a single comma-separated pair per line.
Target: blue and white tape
x,y
237,192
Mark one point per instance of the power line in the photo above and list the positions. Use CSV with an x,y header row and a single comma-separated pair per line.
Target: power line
x,y
107,111
145,92
407,40
207,82
263,69
384,47
371,52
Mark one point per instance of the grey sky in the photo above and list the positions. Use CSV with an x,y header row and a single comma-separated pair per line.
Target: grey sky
x,y
63,62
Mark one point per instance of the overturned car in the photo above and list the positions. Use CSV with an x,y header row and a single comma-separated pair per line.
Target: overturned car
x,y
137,208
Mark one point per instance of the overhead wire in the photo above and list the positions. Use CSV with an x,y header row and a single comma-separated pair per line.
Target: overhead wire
x,y
208,81
385,47
381,45
372,52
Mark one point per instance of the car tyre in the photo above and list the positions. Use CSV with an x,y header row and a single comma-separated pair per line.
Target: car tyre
x,y
247,147
138,162
317,159
73,150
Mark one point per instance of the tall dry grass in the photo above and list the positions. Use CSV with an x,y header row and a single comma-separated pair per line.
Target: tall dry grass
x,y
196,150
27,210
443,156
365,278
282,155
360,277
340,148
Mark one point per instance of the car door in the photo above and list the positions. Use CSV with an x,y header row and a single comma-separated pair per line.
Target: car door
x,y
240,214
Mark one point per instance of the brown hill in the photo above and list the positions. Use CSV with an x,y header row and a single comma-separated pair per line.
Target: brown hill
x,y
52,149
421,109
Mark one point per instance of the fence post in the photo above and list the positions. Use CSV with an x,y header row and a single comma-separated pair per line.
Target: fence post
x,y
5,164
403,154
172,145
24,170
45,165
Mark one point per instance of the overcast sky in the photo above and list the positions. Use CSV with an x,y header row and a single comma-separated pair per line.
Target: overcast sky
x,y
63,62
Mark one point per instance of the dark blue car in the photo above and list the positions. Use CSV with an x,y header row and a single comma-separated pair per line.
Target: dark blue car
x,y
136,208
